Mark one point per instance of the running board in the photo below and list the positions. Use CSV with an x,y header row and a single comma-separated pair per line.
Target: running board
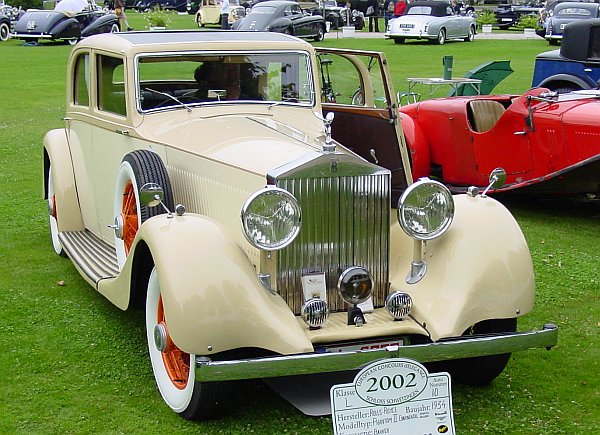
x,y
94,257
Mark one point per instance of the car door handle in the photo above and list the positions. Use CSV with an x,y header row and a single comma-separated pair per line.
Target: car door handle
x,y
123,132
520,133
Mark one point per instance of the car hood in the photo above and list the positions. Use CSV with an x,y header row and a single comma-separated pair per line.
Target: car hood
x,y
253,143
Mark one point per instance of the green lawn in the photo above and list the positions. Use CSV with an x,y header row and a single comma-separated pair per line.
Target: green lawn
x,y
73,363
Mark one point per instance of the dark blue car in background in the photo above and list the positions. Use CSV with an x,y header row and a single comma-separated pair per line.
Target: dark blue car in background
x,y
576,65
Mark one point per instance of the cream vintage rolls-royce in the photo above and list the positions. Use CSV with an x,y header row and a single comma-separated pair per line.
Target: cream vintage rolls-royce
x,y
253,195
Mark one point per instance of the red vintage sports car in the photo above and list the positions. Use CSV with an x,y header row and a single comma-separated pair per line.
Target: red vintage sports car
x,y
548,143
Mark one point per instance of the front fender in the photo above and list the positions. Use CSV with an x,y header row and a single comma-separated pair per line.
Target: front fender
x,y
212,298
58,154
479,269
580,82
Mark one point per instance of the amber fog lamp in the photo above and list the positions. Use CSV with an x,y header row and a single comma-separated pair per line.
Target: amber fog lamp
x,y
355,285
271,218
315,312
398,304
426,209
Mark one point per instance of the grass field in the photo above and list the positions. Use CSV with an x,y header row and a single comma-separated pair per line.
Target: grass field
x,y
73,363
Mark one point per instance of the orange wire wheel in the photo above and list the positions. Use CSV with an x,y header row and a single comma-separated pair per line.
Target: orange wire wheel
x,y
129,215
176,361
137,168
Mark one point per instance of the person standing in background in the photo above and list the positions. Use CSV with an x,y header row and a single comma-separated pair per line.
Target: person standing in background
x,y
120,13
400,8
225,9
373,14
388,10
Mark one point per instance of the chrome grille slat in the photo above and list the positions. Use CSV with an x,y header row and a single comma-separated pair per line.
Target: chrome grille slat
x,y
345,222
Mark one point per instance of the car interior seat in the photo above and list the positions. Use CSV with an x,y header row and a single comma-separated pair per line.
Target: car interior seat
x,y
484,114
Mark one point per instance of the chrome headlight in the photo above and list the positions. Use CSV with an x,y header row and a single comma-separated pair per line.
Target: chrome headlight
x,y
271,218
355,285
426,209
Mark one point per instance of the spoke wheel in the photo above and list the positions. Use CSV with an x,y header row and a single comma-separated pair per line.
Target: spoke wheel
x,y
173,368
53,216
137,168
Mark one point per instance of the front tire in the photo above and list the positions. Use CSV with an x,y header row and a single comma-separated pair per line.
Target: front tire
x,y
173,368
137,168
441,38
320,34
471,36
4,32
484,369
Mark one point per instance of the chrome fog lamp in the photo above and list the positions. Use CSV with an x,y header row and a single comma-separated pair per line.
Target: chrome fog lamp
x,y
315,312
355,285
426,209
271,218
399,304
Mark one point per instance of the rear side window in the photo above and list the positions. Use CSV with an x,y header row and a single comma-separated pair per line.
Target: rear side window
x,y
111,84
81,83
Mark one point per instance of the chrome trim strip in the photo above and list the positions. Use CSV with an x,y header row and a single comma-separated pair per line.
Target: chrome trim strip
x,y
268,367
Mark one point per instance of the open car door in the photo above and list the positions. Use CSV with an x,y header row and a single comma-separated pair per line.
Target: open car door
x,y
356,86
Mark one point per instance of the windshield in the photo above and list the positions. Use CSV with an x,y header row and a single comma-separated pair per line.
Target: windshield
x,y
185,80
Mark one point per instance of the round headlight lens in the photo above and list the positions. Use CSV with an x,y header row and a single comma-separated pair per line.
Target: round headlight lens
x,y
426,209
355,285
271,218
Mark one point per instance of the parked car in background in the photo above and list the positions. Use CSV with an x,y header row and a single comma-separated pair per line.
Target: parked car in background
x,y
431,20
8,18
576,65
282,17
509,14
129,4
5,26
565,13
173,5
543,140
209,12
199,177
85,19
334,14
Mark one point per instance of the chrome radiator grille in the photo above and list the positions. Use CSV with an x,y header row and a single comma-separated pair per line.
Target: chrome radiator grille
x,y
345,222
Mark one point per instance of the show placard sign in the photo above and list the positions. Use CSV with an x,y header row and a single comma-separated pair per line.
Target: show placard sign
x,y
393,396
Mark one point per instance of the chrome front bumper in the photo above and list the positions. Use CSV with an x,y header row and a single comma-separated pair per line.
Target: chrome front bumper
x,y
304,364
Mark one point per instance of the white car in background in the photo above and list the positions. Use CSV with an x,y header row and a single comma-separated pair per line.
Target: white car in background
x,y
432,20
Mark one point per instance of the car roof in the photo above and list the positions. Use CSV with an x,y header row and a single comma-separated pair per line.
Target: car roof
x,y
580,5
275,3
159,41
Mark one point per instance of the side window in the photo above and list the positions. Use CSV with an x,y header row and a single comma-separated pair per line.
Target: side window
x,y
111,85
342,81
81,81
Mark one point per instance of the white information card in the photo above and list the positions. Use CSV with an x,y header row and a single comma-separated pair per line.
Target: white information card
x,y
393,396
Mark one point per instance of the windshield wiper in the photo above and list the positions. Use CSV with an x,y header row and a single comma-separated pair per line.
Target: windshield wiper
x,y
189,109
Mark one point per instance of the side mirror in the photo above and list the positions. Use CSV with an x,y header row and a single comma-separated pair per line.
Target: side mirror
x,y
151,194
497,179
